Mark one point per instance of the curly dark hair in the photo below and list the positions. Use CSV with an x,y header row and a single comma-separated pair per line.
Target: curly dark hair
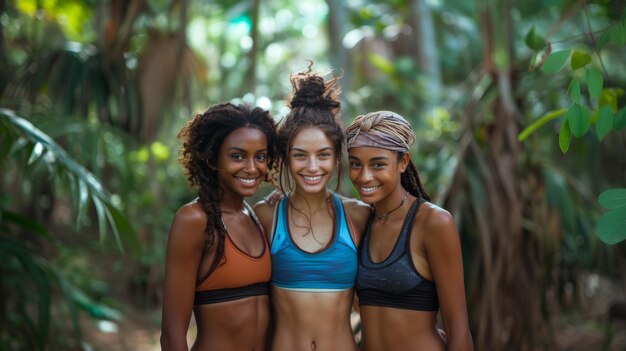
x,y
201,139
314,103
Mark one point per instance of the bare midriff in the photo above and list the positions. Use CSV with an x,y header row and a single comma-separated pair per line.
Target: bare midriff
x,y
232,325
391,329
312,320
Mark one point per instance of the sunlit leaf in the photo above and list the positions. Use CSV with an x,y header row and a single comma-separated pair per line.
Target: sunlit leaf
x,y
612,226
613,198
604,123
565,136
579,60
579,119
594,81
381,63
539,123
555,61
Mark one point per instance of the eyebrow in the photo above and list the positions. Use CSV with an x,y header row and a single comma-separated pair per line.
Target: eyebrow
x,y
235,148
379,158
302,150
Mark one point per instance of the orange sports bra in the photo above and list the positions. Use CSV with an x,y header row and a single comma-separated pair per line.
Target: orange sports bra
x,y
238,275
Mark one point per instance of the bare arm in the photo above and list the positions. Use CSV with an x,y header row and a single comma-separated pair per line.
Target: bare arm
x,y
443,250
358,212
265,212
184,251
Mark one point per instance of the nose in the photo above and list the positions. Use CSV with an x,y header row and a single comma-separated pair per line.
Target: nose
x,y
249,166
365,175
313,165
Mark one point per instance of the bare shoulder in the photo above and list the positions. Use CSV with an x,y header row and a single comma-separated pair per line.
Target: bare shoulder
x,y
358,211
436,220
189,223
264,210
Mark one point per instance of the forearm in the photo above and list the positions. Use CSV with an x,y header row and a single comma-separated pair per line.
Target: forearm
x,y
173,341
460,341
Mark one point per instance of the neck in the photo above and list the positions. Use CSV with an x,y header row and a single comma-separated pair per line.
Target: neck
x,y
231,204
394,202
313,201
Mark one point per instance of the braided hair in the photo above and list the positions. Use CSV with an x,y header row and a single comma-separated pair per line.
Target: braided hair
x,y
314,103
201,139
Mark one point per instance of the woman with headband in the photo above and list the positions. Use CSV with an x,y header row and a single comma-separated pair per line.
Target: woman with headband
x,y
313,232
410,264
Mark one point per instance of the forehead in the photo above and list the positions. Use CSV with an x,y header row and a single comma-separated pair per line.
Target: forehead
x,y
311,138
245,137
365,153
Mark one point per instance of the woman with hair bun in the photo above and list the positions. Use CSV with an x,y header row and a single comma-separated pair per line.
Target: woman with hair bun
x,y
410,264
313,231
218,262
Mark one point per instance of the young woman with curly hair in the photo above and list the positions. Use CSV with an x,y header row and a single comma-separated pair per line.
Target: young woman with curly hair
x,y
410,264
313,231
218,261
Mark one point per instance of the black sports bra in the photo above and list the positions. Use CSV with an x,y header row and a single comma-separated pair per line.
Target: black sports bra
x,y
395,282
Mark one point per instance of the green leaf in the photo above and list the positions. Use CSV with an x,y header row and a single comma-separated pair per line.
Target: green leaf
x,y
26,223
612,226
565,136
618,34
594,81
604,123
534,40
579,120
613,198
620,119
381,63
555,61
609,97
539,123
579,60
574,89
604,39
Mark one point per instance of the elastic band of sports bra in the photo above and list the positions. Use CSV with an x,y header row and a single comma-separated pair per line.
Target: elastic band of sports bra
x,y
207,297
314,290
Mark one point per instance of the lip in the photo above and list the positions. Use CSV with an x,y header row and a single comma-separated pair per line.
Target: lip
x,y
312,179
368,190
248,181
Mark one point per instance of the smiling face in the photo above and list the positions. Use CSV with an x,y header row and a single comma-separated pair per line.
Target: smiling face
x,y
376,172
242,161
312,159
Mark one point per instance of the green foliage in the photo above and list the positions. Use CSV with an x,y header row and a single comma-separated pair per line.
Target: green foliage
x,y
579,60
38,150
596,109
612,226
22,267
555,61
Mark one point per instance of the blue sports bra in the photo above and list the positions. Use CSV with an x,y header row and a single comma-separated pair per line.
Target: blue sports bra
x,y
334,268
395,282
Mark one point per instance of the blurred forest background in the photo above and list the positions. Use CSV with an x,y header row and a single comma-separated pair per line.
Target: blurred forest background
x,y
518,107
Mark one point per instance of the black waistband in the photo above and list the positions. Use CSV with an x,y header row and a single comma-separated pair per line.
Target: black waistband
x,y
207,297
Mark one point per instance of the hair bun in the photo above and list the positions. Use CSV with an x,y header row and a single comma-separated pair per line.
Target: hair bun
x,y
308,90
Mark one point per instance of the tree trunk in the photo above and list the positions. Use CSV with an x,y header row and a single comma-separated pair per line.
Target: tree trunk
x,y
505,302
340,57
425,53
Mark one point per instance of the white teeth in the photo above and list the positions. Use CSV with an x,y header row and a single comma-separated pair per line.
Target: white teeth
x,y
369,189
312,178
246,180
